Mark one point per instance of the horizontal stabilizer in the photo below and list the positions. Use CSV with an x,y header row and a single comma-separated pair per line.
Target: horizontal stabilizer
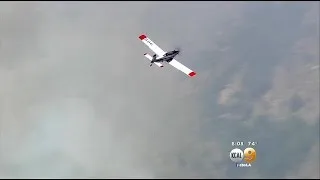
x,y
150,58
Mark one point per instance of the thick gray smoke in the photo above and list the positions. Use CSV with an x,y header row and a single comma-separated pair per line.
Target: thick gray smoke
x,y
78,98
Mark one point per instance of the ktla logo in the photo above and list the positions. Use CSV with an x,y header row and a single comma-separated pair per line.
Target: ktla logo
x,y
249,155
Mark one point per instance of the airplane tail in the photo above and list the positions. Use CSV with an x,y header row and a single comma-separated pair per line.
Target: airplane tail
x,y
151,58
154,57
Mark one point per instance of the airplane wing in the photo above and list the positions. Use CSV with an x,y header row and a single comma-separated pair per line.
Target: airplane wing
x,y
147,41
150,58
152,45
182,68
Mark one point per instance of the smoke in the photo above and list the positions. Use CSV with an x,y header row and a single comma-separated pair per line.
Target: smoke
x,y
79,100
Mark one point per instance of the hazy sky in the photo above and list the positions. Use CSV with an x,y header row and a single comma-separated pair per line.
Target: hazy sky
x,y
78,98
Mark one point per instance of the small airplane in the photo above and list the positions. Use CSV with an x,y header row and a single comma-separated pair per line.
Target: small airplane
x,y
166,57
162,56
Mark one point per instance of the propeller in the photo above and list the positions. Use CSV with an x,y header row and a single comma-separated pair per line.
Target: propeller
x,y
178,49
